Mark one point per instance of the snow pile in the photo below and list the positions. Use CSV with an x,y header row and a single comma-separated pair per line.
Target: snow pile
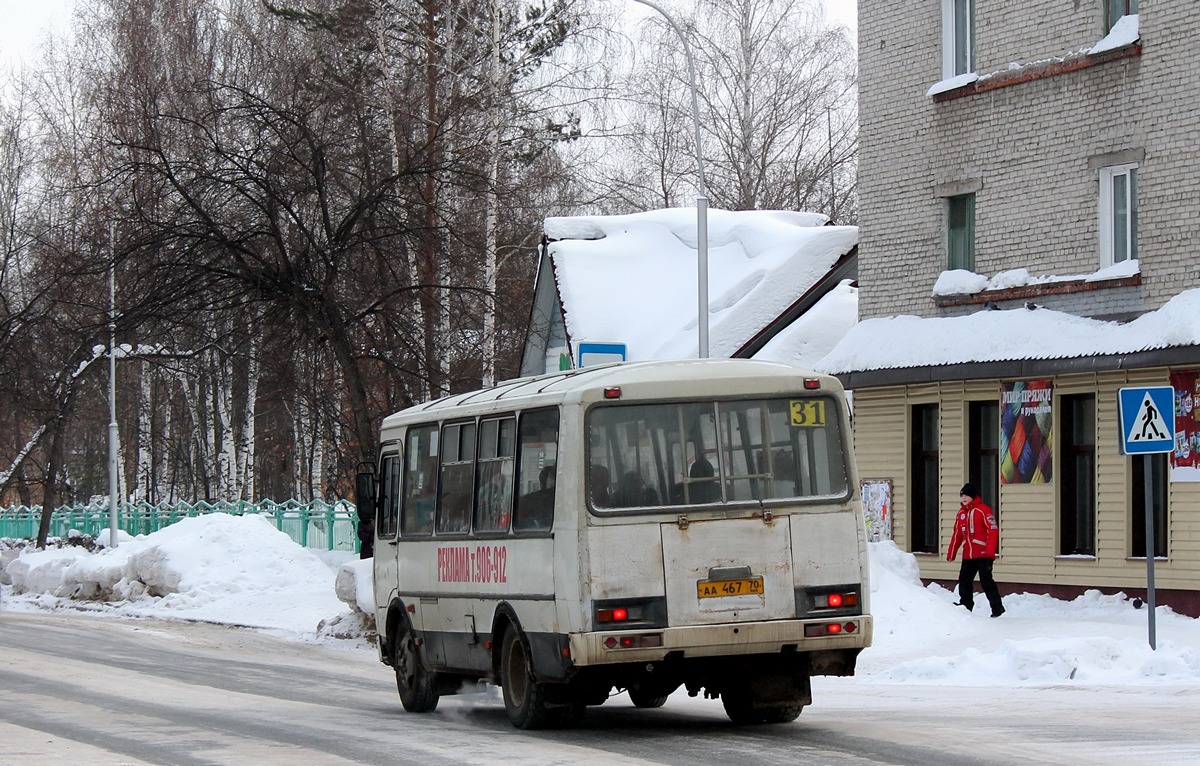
x,y
921,637
216,567
964,282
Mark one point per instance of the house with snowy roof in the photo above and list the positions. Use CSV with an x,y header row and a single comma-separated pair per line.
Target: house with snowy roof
x,y
780,287
1029,215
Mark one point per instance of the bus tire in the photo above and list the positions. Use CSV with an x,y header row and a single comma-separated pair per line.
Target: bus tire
x,y
740,709
524,698
641,699
417,686
782,713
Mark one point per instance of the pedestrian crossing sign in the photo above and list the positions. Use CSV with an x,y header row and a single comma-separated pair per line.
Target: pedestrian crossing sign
x,y
1147,420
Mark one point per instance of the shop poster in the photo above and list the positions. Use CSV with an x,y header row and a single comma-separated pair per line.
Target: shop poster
x,y
1185,461
876,498
1026,432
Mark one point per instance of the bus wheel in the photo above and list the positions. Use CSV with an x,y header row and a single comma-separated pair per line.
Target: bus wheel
x,y
782,713
415,683
641,699
524,698
740,709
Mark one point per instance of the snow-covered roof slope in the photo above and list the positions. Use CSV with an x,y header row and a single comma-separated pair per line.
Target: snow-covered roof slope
x,y
632,278
1017,334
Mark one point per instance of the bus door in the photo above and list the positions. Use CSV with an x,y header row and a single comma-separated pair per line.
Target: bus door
x,y
386,526
728,570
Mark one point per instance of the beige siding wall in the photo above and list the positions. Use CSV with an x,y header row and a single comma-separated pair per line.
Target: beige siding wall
x,y
1029,513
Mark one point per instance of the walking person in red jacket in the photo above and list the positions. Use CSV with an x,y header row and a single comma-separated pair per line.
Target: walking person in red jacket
x,y
976,532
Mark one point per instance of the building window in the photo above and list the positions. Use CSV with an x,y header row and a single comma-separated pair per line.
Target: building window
x,y
1118,214
1115,9
958,37
960,229
983,450
923,501
1157,476
1077,485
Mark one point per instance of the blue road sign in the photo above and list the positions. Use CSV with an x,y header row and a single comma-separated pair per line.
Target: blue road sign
x,y
1147,420
592,354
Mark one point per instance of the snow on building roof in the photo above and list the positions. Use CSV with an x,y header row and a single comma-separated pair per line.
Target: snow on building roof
x,y
1011,335
632,278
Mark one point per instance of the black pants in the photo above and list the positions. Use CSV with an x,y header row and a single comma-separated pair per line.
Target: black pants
x,y
966,584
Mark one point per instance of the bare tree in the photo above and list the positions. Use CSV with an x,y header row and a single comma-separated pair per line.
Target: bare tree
x,y
777,101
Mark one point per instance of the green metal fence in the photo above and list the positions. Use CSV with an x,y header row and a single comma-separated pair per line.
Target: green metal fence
x,y
316,524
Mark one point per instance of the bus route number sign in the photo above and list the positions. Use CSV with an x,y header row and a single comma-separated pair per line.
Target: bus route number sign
x,y
808,413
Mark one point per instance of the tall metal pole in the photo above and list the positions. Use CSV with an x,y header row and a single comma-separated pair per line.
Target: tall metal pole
x,y
112,392
1147,472
701,198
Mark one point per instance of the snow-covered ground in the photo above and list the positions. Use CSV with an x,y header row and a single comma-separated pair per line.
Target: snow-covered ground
x,y
240,570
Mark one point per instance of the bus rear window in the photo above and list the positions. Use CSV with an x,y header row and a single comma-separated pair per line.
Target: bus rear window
x,y
706,453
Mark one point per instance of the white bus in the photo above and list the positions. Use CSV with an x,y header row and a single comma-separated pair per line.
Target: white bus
x,y
627,528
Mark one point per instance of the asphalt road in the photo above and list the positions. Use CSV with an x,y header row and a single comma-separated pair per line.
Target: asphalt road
x,y
79,689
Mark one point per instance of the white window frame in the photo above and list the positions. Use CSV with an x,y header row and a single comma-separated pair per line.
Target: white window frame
x,y
949,39
1108,215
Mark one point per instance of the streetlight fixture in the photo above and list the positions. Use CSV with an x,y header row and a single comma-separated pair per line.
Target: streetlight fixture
x,y
701,198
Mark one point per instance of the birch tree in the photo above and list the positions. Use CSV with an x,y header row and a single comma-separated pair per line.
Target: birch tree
x,y
777,102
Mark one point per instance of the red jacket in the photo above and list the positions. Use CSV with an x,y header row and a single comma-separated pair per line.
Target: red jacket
x,y
976,531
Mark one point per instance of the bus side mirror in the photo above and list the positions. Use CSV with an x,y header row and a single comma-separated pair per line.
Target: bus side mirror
x,y
364,494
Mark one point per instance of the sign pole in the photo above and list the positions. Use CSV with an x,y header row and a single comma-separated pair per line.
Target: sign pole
x,y
1147,428
1146,464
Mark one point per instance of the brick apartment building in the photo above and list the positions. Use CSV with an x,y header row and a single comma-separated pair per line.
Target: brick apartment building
x,y
1021,163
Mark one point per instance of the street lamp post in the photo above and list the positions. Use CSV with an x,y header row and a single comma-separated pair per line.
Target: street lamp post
x,y
701,198
113,447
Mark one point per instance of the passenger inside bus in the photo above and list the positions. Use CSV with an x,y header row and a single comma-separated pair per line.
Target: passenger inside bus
x,y
633,492
704,481
536,509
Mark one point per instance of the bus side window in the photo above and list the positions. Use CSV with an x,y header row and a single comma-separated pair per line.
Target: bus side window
x,y
536,470
420,481
457,478
494,490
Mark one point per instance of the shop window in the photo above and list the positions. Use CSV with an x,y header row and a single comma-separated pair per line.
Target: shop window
x,y
1077,476
983,450
923,499
1152,468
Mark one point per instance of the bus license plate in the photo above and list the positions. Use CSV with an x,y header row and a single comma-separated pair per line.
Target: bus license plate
x,y
752,586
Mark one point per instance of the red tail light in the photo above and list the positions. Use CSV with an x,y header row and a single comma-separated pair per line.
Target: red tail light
x,y
617,614
818,629
835,600
613,392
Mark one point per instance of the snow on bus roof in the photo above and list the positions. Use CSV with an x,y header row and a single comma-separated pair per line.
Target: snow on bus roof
x,y
554,386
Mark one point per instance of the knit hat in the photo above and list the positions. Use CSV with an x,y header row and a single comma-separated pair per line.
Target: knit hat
x,y
970,490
